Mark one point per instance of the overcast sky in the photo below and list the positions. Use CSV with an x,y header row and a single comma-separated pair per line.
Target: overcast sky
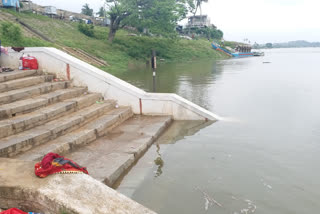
x,y
258,20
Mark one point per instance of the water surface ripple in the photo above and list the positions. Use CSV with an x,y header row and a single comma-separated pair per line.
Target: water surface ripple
x,y
263,158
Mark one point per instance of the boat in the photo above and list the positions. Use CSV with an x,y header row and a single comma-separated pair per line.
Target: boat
x,y
240,51
258,53
219,48
242,54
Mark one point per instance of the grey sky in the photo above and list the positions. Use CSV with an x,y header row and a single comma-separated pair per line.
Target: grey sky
x,y
258,20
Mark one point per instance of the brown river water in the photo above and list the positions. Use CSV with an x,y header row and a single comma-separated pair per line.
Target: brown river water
x,y
262,158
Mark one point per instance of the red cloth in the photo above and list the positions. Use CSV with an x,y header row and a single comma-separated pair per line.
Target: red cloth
x,y
47,160
13,211
53,163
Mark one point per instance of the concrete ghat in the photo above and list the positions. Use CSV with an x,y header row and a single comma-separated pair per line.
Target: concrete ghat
x,y
110,156
82,74
71,193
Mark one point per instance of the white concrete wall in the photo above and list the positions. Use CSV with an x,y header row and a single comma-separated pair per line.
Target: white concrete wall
x,y
83,74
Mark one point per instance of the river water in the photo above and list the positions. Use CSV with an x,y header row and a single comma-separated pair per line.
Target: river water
x,y
263,157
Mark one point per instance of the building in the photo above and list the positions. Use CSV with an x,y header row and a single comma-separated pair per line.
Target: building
x,y
104,21
50,10
26,5
10,3
199,21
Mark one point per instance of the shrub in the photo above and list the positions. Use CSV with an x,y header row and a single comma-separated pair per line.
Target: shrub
x,y
87,30
11,32
11,35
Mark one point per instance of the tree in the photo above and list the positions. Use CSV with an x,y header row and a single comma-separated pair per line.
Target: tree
x,y
209,33
195,4
269,45
119,10
102,12
160,17
86,10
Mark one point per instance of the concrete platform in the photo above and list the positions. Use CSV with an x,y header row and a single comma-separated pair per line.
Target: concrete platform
x,y
68,193
110,156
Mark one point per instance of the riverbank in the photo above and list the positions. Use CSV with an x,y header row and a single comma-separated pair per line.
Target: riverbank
x,y
127,48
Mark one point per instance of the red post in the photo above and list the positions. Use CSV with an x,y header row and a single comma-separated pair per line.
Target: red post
x,y
140,102
68,72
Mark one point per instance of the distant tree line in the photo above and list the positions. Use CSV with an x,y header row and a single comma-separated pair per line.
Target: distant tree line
x,y
291,44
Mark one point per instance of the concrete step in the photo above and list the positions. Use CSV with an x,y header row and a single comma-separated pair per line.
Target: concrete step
x,y
24,82
7,76
108,158
27,140
80,137
25,106
24,93
24,122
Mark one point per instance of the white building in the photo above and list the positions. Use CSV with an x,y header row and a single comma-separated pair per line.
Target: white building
x,y
50,10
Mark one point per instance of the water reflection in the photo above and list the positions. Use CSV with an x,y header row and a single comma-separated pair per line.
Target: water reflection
x,y
159,162
180,130
189,80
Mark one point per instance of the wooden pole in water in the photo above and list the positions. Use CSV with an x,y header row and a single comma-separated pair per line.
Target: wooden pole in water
x,y
154,67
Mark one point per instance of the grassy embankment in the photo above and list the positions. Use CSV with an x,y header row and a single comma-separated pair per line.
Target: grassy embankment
x,y
119,54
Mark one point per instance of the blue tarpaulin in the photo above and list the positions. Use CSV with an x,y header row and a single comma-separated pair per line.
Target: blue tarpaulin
x,y
10,3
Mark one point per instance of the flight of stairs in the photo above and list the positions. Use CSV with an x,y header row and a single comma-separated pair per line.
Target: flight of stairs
x,y
41,114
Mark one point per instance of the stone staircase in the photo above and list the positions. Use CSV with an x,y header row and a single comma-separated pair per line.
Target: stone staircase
x,y
39,114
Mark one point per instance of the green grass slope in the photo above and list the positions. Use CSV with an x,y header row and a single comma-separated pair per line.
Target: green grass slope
x,y
125,49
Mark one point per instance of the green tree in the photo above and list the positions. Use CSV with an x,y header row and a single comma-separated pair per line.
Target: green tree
x,y
86,10
119,11
209,33
101,12
160,17
195,4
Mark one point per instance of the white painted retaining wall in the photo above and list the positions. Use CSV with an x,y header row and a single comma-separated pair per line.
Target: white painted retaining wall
x,y
83,74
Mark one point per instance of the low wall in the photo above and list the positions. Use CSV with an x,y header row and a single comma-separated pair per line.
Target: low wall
x,y
83,74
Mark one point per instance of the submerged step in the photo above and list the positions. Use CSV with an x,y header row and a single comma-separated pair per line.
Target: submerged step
x,y
27,140
109,157
27,121
24,82
28,105
17,74
80,137
24,93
